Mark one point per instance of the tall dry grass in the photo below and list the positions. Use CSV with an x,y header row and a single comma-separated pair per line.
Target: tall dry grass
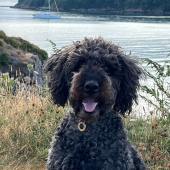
x,y
27,121
151,136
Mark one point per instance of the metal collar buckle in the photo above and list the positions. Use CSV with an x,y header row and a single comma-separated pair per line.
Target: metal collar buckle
x,y
81,126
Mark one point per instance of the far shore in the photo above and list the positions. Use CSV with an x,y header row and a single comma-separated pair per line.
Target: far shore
x,y
94,11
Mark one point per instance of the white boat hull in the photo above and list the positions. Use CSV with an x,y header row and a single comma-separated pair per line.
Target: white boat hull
x,y
46,16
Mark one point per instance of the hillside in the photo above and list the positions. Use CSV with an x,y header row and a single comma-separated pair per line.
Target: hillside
x,y
20,58
33,4
143,7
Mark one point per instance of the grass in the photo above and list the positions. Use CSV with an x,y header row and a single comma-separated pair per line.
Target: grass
x,y
28,120
152,139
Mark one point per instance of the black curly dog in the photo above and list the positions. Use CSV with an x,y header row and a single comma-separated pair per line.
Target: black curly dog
x,y
100,83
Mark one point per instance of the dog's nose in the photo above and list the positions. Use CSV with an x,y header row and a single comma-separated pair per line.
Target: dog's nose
x,y
91,87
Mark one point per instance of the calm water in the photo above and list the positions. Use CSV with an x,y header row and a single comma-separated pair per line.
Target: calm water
x,y
142,36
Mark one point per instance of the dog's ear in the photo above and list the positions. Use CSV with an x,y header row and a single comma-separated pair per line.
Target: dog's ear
x,y
57,80
129,83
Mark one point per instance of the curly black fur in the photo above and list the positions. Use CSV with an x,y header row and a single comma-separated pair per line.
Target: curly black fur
x,y
114,80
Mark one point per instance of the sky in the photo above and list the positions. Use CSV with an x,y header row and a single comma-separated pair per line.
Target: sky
x,y
8,2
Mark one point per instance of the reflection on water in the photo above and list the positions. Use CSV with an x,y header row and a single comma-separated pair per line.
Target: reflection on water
x,y
143,36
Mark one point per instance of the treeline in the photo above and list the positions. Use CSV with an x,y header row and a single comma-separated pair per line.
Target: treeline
x,y
117,4
32,3
155,6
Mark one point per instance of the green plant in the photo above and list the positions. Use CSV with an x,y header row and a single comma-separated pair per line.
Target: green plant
x,y
1,43
4,60
159,92
30,67
6,84
54,46
2,35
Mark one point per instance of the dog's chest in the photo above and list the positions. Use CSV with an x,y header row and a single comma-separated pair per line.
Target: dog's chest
x,y
93,149
89,152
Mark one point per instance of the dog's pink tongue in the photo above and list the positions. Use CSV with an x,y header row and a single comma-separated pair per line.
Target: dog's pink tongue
x,y
89,105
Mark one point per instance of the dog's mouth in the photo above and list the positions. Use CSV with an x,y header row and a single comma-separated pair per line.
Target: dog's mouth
x,y
89,105
89,110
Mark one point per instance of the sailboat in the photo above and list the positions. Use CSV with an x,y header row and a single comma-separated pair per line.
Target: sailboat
x,y
47,14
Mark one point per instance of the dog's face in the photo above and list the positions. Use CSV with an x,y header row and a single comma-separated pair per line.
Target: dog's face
x,y
92,91
95,77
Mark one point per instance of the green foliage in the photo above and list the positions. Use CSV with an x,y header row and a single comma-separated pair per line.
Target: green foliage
x,y
30,67
1,43
160,90
2,35
6,83
54,46
115,4
4,60
32,3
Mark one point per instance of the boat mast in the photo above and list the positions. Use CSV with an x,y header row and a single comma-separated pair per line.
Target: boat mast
x,y
56,6
49,6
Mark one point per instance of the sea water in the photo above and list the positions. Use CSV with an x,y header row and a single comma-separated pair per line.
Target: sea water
x,y
144,37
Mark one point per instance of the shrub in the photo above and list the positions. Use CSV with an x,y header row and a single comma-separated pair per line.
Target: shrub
x,y
2,35
4,60
159,92
1,43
